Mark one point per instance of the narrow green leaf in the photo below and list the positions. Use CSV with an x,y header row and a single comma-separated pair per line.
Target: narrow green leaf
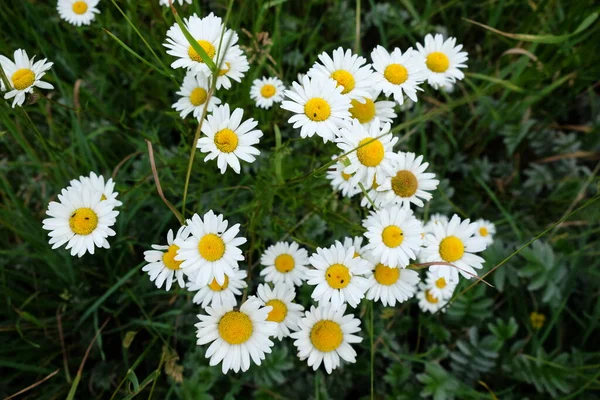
x,y
506,84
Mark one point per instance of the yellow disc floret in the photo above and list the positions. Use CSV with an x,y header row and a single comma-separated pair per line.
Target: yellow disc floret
x,y
392,236
451,249
371,154
317,109
386,275
483,231
363,112
437,61
395,73
23,78
235,327
338,276
405,183
83,221
169,258
226,140
279,311
198,96
345,79
326,335
441,283
80,7
215,287
206,46
267,91
284,263
211,247
430,298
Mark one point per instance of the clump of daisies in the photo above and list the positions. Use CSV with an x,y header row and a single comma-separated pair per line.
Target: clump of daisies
x,y
24,75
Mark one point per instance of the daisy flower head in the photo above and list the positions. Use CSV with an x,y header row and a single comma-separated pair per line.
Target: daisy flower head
x,y
435,219
439,287
391,284
24,74
338,276
194,95
284,312
216,295
166,2
340,181
284,263
368,109
237,336
267,91
398,74
81,219
350,71
409,183
211,251
443,59
162,266
454,243
485,230
371,157
234,66
97,184
394,236
325,335
427,301
228,139
318,106
78,12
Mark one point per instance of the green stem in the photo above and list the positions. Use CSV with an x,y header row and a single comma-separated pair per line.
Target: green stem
x,y
357,32
372,350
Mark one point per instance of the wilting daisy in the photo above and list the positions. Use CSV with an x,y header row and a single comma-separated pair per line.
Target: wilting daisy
x,y
369,109
340,181
166,2
319,107
162,265
409,183
78,12
234,66
454,243
394,236
236,336
338,276
373,158
24,75
439,287
228,139
485,230
81,219
325,335
427,301
194,95
350,71
285,313
443,59
284,263
355,243
267,91
97,184
216,295
211,251
398,74
435,219
392,284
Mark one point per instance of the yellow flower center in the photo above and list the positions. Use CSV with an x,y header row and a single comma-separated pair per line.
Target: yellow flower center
x,y
326,335
345,79
440,283
451,249
346,176
537,320
83,221
392,236
103,197
317,109
404,184
226,140
430,297
338,276
356,255
206,46
284,263
437,61
370,155
483,231
211,247
267,91
225,70
80,7
198,96
375,185
235,327
169,258
363,112
395,73
215,287
386,275
278,312
23,78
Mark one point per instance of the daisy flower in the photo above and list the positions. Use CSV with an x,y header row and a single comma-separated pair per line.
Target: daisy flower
x,y
23,76
236,336
443,59
194,94
81,219
409,182
398,74
325,335
350,71
97,184
285,263
211,251
392,284
456,244
370,151
439,287
356,244
228,139
435,219
267,91
166,2
427,301
318,106
337,276
285,313
368,109
234,66
162,264
78,12
216,295
340,181
394,236
485,230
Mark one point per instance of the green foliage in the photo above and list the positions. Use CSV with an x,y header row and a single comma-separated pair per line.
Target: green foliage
x,y
544,271
474,357
437,383
548,374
